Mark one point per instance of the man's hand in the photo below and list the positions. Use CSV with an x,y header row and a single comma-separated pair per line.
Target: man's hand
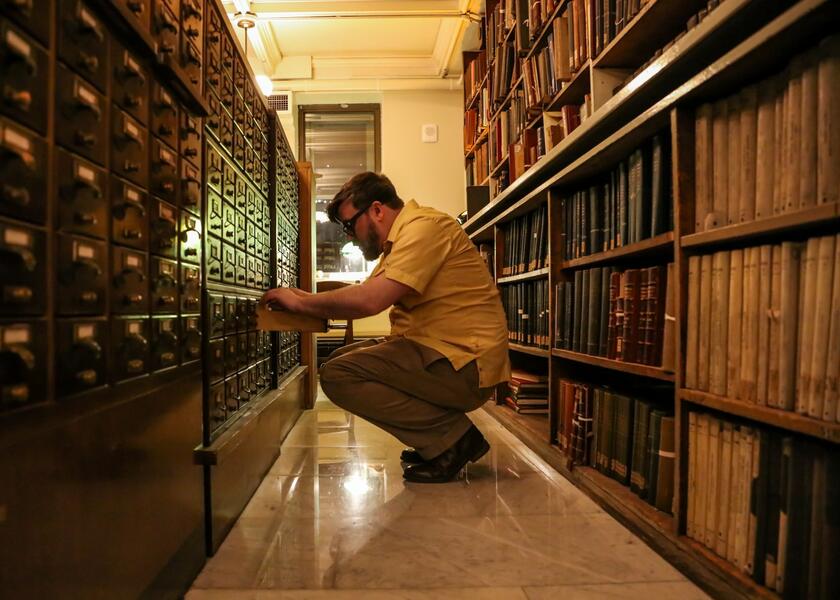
x,y
284,298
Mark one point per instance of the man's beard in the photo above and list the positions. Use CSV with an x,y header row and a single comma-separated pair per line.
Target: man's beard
x,y
370,245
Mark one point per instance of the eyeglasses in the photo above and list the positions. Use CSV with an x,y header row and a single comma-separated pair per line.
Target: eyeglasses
x,y
349,226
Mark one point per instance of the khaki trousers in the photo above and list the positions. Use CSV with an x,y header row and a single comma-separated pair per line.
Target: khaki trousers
x,y
407,389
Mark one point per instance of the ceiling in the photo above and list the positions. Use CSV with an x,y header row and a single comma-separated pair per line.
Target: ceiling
x,y
339,45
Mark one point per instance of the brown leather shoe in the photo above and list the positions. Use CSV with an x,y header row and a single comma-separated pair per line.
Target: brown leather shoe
x,y
445,467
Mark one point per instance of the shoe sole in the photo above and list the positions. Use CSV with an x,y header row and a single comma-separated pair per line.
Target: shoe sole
x,y
485,448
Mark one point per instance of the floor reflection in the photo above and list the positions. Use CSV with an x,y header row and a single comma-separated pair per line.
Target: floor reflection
x,y
334,518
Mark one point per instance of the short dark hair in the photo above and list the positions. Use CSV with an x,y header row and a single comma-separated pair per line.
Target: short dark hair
x,y
363,189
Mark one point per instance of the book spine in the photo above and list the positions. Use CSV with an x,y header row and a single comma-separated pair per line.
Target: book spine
x,y
828,121
765,265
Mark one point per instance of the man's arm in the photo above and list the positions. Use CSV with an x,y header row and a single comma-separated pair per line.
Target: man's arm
x,y
351,302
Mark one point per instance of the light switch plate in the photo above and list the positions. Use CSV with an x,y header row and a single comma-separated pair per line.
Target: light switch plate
x,y
429,133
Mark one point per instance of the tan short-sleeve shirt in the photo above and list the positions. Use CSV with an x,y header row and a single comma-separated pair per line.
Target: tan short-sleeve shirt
x,y
454,307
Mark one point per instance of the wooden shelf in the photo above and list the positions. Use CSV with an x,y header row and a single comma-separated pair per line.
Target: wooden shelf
x,y
620,495
730,571
648,247
743,234
574,91
533,351
538,274
498,168
656,24
482,137
507,98
783,419
646,90
615,365
477,94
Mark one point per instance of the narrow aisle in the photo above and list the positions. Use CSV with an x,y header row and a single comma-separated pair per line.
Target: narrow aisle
x,y
334,519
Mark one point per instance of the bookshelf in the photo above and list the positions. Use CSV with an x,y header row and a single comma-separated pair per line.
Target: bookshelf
x,y
652,78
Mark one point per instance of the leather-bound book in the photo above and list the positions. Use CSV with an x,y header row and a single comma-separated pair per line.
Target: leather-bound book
x,y
765,149
642,220
703,165
594,312
736,309
568,315
692,323
773,349
713,474
654,439
822,321
701,479
808,131
622,438
623,208
660,185
793,131
630,293
615,324
584,312
704,322
718,342
832,373
765,266
749,327
604,318
669,323
748,130
665,468
736,500
646,322
720,165
807,323
691,488
795,518
641,421
828,121
576,316
788,321
733,167
725,489
759,506
594,214
779,133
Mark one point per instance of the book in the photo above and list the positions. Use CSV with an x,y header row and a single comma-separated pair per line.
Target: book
x,y
807,322
704,322
665,465
703,165
763,311
669,349
828,121
693,324
818,367
788,317
765,149
734,166
718,215
748,146
736,313
726,485
832,373
719,317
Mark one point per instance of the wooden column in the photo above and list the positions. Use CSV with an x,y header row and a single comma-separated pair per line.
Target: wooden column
x,y
306,210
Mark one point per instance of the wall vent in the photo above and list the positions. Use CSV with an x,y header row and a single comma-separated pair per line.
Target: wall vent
x,y
281,102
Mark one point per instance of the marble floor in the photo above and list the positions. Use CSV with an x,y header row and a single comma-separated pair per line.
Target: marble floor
x,y
334,519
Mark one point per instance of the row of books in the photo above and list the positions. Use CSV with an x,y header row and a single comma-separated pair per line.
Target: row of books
x,y
527,393
623,437
764,325
477,168
766,502
526,242
547,69
474,72
476,121
772,148
630,203
578,21
507,129
626,316
539,11
505,72
501,18
526,307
